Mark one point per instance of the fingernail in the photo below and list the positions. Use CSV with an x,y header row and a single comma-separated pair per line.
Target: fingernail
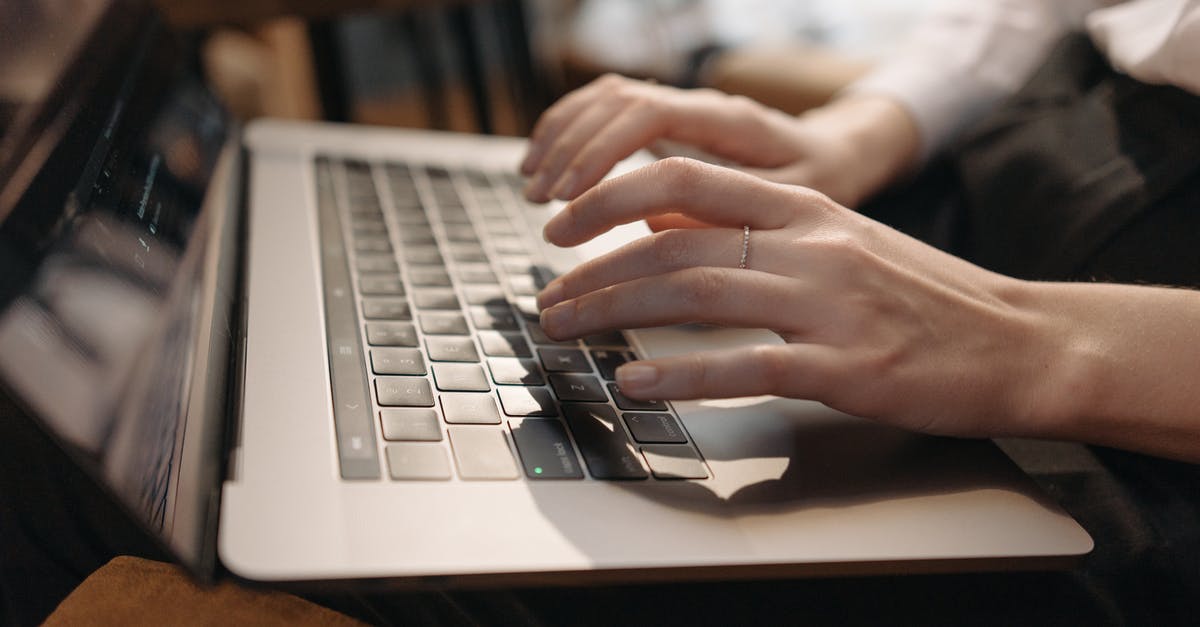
x,y
562,189
555,319
635,375
551,295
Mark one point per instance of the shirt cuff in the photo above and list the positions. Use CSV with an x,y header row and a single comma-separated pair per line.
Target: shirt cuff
x,y
942,105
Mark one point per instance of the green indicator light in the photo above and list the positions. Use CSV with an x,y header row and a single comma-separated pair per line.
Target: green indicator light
x,y
537,470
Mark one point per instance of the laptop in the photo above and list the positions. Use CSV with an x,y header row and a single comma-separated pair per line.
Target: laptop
x,y
307,353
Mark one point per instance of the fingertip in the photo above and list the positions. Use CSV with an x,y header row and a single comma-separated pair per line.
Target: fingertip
x,y
535,189
637,377
551,295
555,231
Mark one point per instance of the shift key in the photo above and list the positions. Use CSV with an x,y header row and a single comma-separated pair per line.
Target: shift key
x,y
545,449
606,449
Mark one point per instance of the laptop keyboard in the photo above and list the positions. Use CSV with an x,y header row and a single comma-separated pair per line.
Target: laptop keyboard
x,y
438,367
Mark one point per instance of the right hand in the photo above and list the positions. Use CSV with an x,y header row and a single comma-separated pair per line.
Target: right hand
x,y
847,149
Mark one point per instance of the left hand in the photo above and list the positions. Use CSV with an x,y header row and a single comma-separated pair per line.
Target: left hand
x,y
876,323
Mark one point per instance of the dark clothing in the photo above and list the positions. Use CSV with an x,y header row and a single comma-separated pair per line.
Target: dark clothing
x,y
1086,174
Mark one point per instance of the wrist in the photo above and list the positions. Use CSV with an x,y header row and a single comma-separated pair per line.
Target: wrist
x,y
877,141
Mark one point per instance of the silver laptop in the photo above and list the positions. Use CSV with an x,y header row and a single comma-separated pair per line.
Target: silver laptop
x,y
309,352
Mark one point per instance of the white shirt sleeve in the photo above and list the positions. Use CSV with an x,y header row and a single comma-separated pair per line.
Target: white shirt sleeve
x,y
967,57
1154,41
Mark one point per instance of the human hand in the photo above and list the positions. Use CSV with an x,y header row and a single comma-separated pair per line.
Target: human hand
x,y
876,323
847,149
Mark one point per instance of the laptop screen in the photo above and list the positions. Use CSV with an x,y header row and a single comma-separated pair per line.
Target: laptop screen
x,y
110,146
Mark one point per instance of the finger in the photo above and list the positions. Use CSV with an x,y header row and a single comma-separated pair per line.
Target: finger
x,y
674,221
655,254
595,121
640,123
723,296
700,191
559,115
791,370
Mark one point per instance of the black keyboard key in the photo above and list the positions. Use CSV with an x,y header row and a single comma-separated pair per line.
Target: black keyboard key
x,y
625,402
508,371
412,425
397,361
611,338
497,344
526,401
460,377
443,323
482,453
470,408
414,461
607,362
606,449
436,298
545,450
428,276
674,461
564,360
451,348
577,387
385,309
380,285
494,318
654,428
376,263
391,334
403,392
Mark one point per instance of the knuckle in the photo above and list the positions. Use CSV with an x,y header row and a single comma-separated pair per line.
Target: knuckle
x,y
842,252
645,106
697,369
773,369
702,286
611,80
671,248
680,174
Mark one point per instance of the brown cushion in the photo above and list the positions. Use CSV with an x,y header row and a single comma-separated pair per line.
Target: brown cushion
x,y
134,591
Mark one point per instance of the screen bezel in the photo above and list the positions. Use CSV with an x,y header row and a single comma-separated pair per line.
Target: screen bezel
x,y
95,100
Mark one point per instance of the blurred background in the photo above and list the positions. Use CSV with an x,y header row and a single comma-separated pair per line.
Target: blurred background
x,y
493,66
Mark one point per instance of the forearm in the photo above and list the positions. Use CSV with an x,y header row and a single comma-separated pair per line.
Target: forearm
x,y
1122,369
